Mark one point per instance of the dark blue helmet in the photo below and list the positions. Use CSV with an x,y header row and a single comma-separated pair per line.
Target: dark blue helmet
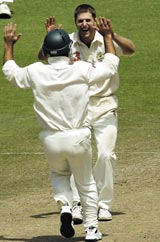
x,y
57,43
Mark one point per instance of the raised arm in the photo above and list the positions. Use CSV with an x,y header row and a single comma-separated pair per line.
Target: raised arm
x,y
10,38
103,27
125,44
50,24
108,67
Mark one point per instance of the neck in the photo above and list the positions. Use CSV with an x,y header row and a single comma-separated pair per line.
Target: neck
x,y
86,41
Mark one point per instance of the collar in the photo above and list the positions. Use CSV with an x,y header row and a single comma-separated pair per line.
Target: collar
x,y
59,60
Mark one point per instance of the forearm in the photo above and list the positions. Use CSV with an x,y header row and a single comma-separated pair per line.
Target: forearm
x,y
109,46
8,52
125,44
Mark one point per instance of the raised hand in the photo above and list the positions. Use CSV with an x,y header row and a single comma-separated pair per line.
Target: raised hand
x,y
10,36
103,26
50,24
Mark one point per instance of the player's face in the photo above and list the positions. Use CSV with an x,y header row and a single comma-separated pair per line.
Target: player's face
x,y
85,24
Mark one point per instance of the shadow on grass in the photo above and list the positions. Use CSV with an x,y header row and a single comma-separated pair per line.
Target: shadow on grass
x,y
53,238
43,239
116,213
43,215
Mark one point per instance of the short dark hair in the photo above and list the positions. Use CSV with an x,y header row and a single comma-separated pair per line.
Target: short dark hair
x,y
83,8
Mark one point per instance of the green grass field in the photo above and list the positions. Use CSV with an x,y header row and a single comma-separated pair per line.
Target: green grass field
x,y
22,164
139,103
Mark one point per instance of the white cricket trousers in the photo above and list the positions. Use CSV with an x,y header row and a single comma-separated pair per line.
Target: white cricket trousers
x,y
105,133
69,152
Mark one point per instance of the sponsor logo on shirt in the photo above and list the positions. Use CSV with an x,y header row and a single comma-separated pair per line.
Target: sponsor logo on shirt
x,y
100,56
76,56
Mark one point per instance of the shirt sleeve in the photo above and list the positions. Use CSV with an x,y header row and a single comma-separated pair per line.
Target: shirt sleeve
x,y
119,51
18,76
104,70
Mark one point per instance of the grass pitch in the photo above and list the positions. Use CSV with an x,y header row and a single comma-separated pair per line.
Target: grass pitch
x,y
139,103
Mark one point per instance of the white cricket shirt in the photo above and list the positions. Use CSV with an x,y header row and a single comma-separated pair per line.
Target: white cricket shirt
x,y
102,93
60,89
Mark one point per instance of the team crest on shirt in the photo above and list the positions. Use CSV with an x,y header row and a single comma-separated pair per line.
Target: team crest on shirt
x,y
76,56
100,56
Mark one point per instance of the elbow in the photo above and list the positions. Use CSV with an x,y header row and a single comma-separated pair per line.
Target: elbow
x,y
130,50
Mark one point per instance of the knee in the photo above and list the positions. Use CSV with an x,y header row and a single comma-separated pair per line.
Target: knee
x,y
107,158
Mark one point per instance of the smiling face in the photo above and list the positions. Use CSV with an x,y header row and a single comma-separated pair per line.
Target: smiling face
x,y
85,25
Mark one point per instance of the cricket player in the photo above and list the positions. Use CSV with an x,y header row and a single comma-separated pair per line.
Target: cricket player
x,y
88,45
61,97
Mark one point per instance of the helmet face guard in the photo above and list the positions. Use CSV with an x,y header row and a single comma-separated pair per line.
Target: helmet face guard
x,y
57,43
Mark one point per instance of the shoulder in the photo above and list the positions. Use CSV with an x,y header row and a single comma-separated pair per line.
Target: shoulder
x,y
82,63
35,67
98,37
82,66
73,36
100,40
